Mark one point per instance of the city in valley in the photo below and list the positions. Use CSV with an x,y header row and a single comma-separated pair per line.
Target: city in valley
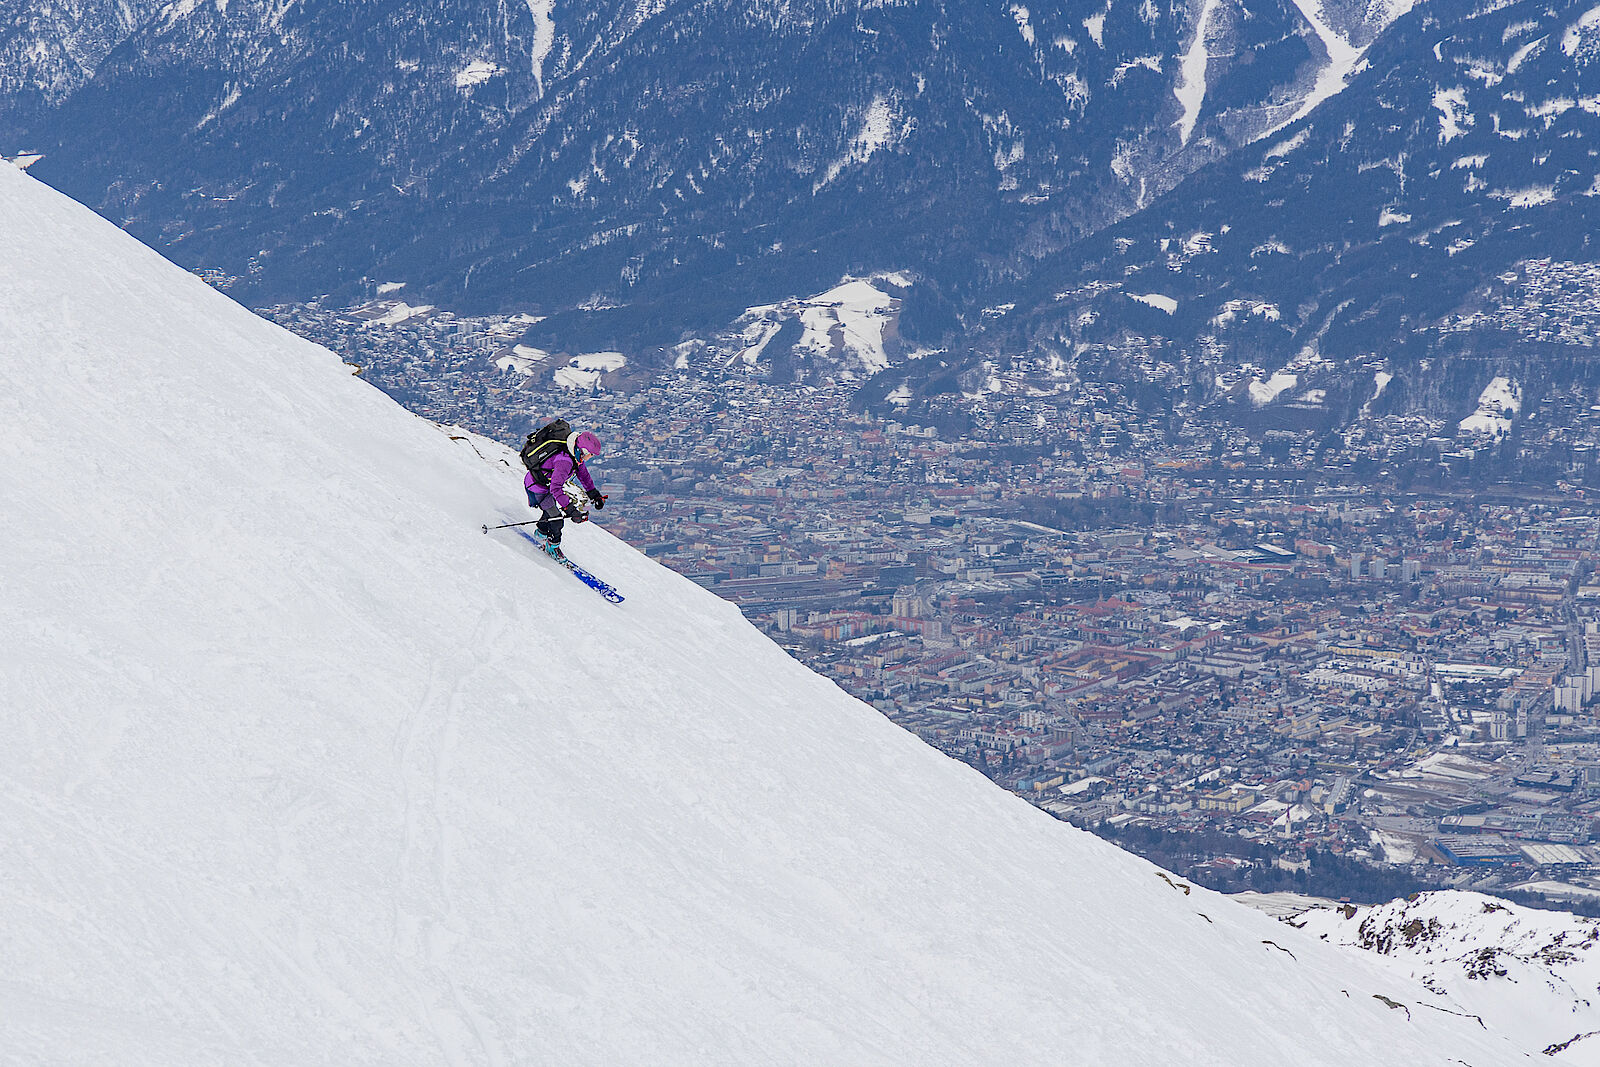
x,y
1352,665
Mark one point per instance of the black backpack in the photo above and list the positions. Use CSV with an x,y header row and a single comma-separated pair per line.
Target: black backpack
x,y
542,444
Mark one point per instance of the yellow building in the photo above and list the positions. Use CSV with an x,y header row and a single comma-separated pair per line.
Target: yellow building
x,y
1232,799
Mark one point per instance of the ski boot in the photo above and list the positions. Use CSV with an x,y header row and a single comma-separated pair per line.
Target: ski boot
x,y
550,539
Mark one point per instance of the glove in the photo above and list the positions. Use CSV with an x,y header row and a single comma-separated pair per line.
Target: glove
x,y
575,513
597,498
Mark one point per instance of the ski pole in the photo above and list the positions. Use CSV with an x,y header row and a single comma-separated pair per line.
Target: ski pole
x,y
508,525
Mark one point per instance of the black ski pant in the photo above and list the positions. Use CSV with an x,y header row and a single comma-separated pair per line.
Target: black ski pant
x,y
553,520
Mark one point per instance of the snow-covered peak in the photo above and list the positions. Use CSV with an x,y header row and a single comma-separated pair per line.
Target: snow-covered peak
x,y
304,768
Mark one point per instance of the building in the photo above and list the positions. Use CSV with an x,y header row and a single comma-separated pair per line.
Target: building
x,y
1232,799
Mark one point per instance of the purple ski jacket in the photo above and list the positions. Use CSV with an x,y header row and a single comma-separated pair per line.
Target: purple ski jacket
x,y
560,468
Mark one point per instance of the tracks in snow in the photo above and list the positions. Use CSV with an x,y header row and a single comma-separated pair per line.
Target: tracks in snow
x,y
426,922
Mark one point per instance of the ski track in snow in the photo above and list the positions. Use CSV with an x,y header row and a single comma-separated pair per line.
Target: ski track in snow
x,y
308,770
424,925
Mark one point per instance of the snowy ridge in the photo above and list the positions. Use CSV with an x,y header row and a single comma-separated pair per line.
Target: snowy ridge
x,y
575,116
52,48
1534,974
1456,150
294,781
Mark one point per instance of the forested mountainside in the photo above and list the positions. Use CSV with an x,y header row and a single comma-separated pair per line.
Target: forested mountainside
x,y
555,155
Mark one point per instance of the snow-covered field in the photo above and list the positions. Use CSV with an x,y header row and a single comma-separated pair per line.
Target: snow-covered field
x,y
400,312
303,768
524,359
850,323
1499,403
476,73
849,318
1263,393
585,371
1159,301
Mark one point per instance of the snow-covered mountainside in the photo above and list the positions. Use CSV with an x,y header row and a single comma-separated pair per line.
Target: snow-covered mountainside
x,y
304,768
1533,974
50,48
1395,231
547,153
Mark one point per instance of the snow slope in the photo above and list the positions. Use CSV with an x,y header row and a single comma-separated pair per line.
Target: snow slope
x,y
304,769
850,323
1522,971
1342,57
1191,88
1498,404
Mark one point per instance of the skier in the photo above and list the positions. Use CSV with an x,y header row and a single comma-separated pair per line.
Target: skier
x,y
553,455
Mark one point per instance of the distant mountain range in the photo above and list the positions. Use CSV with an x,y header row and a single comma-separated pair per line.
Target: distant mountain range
x,y
51,48
1383,240
1219,204
688,156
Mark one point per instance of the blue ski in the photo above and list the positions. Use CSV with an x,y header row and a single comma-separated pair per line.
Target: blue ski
x,y
578,572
